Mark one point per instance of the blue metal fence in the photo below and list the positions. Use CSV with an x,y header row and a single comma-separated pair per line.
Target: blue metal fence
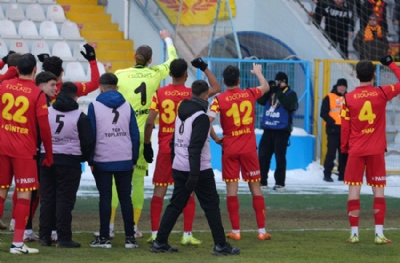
x,y
299,77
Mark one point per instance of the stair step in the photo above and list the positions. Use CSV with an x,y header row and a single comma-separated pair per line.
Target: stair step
x,y
103,34
97,26
85,17
103,44
77,2
115,55
98,9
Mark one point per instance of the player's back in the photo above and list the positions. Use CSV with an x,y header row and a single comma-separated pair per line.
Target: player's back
x,y
367,109
166,101
22,102
137,85
237,114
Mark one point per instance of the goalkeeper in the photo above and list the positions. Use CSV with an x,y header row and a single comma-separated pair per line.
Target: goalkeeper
x,y
137,84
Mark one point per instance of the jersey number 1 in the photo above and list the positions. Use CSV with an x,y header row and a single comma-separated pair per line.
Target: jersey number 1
x,y
234,111
142,90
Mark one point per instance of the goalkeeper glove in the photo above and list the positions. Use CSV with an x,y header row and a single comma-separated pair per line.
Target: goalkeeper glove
x,y
43,56
148,152
90,54
199,63
386,60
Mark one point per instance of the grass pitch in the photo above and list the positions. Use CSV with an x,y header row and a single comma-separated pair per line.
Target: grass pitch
x,y
304,228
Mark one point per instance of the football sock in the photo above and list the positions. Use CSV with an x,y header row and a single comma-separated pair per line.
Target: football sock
x,y
379,214
353,205
188,214
232,203
21,216
187,234
111,227
113,212
262,230
28,231
259,208
14,201
2,200
156,206
35,204
137,212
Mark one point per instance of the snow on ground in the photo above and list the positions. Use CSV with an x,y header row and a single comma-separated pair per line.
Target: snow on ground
x,y
298,181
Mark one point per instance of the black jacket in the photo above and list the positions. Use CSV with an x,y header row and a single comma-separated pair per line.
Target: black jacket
x,y
289,102
200,130
64,103
339,20
331,126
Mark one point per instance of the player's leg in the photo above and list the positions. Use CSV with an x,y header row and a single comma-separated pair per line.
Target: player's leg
x,y
25,172
280,142
123,183
162,178
376,177
68,179
180,196
265,151
230,174
47,204
138,187
104,184
188,218
354,177
14,201
251,174
6,174
29,235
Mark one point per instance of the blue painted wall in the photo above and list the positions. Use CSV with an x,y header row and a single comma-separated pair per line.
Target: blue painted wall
x,y
299,155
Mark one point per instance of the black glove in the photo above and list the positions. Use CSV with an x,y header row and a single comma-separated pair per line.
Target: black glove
x,y
192,182
386,60
148,152
199,63
5,59
90,54
43,56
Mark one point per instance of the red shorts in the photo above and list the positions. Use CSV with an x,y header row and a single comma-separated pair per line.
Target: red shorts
x,y
248,163
24,170
374,167
163,171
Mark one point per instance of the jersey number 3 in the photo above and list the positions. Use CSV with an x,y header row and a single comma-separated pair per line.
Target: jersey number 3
x,y
21,101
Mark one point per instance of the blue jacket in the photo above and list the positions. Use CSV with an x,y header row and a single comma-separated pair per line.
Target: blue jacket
x,y
114,99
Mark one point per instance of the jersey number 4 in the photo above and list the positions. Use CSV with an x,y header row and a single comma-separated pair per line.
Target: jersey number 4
x,y
21,102
366,113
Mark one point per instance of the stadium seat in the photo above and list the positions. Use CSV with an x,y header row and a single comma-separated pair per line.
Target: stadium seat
x,y
46,1
7,1
27,1
70,31
1,13
78,47
101,68
3,48
15,12
35,12
8,29
40,47
75,71
4,69
55,13
48,30
27,29
19,46
61,49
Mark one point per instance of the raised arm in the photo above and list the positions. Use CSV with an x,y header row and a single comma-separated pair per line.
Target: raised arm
x,y
164,68
215,87
257,70
86,87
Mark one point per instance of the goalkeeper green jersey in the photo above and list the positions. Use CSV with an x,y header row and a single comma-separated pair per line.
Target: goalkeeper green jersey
x,y
138,84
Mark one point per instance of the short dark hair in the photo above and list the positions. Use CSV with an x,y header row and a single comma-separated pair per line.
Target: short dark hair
x,y
365,70
26,64
69,89
143,55
12,60
178,67
44,77
231,76
199,87
108,81
53,64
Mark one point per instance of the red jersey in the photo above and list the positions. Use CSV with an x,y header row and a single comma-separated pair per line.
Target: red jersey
x,y
84,88
166,101
364,119
237,119
21,103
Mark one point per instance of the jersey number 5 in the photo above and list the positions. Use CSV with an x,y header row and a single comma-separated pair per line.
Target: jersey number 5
x,y
366,113
21,101
235,110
